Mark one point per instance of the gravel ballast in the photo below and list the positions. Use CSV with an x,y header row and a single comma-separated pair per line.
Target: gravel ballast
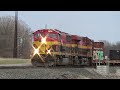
x,y
54,73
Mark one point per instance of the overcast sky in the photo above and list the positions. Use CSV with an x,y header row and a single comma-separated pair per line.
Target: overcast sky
x,y
97,25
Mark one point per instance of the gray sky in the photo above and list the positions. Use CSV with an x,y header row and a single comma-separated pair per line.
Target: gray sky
x,y
97,25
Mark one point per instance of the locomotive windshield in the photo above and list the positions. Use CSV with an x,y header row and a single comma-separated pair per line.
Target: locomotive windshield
x,y
36,35
42,34
52,35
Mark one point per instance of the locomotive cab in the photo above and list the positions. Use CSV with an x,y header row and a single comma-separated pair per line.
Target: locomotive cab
x,y
46,44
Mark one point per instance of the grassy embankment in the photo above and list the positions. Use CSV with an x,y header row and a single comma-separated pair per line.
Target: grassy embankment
x,y
14,61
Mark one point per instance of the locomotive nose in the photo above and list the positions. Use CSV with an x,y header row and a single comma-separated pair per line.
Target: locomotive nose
x,y
43,40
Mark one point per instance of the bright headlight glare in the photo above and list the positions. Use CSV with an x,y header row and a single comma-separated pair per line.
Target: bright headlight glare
x,y
43,40
36,51
48,52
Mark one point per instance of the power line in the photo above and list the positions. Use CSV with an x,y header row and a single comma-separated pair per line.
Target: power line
x,y
15,36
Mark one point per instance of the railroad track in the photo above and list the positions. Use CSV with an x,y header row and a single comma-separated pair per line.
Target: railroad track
x,y
30,66
15,67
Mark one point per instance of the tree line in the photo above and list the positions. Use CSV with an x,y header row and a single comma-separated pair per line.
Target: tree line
x,y
110,46
7,28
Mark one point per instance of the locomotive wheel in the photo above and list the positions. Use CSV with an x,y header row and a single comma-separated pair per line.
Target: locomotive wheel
x,y
58,60
76,60
61,60
50,64
70,60
90,61
50,61
35,63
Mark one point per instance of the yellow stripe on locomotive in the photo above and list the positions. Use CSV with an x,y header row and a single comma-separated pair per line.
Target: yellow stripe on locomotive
x,y
44,47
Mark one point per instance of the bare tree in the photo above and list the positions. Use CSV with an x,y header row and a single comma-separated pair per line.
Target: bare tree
x,y
118,45
107,47
110,46
7,36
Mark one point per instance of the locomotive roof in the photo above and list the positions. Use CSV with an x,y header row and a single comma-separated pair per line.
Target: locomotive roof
x,y
61,32
56,30
47,29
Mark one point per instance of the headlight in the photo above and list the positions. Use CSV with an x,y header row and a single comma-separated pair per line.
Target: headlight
x,y
43,40
48,51
36,51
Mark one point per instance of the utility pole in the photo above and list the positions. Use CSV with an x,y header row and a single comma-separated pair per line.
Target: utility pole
x,y
15,36
45,26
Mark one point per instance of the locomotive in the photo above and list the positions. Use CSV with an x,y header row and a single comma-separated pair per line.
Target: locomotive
x,y
53,47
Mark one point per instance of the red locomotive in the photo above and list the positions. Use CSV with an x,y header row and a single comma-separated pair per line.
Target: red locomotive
x,y
53,47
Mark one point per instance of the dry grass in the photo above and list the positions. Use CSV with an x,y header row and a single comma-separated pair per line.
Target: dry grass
x,y
14,61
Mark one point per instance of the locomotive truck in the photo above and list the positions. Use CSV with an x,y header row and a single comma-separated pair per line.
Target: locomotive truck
x,y
53,47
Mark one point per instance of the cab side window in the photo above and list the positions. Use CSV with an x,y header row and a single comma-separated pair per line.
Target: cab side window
x,y
52,35
69,38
